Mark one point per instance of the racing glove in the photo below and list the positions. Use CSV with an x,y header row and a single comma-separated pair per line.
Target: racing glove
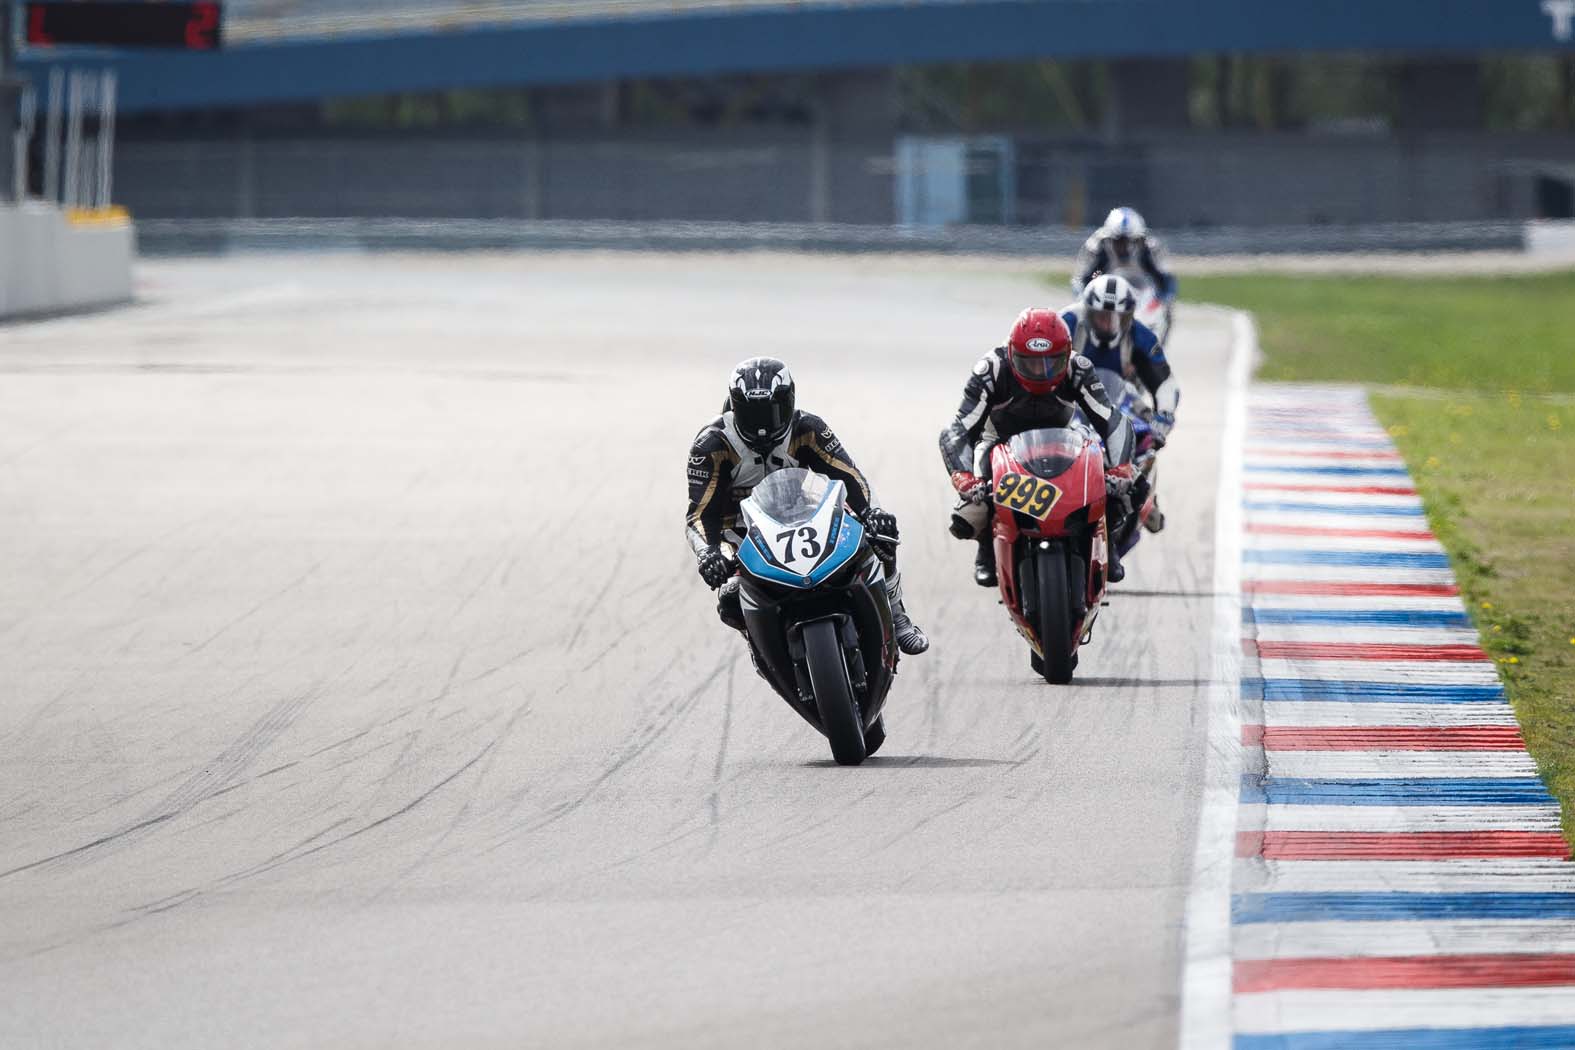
x,y
714,568
1161,426
883,530
969,485
881,523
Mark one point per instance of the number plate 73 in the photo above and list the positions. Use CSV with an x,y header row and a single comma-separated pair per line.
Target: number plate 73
x,y
1032,496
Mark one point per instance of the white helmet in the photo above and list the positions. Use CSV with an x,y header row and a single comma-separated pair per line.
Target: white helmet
x,y
1124,228
1110,304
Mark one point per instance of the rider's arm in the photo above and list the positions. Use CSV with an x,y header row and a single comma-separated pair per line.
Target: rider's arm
x,y
815,447
1153,370
1111,423
1152,259
1090,260
710,491
957,440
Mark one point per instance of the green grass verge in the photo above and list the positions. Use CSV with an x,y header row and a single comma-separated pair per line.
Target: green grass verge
x,y
1490,442
1450,333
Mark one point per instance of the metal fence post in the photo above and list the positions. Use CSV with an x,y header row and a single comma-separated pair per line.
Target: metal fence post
x,y
108,91
21,152
57,87
71,194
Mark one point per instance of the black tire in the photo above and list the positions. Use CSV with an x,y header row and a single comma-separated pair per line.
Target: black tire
x,y
875,736
1055,615
828,675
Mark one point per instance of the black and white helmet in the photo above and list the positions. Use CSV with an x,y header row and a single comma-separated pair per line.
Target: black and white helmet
x,y
762,398
1110,304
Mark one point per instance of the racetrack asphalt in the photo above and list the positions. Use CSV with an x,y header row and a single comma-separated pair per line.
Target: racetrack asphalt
x,y
359,689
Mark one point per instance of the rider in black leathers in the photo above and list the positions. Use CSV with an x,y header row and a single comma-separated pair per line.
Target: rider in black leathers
x,y
761,430
998,404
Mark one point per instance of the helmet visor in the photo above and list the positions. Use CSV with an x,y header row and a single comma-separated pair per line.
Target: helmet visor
x,y
1040,367
1107,325
1123,247
762,421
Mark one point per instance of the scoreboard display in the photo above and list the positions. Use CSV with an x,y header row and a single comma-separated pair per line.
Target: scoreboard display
x,y
123,23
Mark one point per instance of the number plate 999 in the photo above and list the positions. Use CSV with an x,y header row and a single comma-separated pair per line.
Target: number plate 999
x,y
1029,495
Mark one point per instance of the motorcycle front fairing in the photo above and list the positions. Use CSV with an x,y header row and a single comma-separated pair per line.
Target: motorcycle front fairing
x,y
805,557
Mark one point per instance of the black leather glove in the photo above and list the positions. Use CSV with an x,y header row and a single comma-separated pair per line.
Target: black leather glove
x,y
881,525
715,568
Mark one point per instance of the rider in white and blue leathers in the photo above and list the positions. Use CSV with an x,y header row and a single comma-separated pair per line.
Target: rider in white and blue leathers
x,y
1123,246
1105,330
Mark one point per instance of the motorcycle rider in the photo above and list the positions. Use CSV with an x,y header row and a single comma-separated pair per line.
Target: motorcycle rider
x,y
1034,381
1124,246
1105,330
759,431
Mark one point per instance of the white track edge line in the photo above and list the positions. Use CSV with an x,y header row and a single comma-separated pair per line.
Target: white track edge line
x,y
1206,1003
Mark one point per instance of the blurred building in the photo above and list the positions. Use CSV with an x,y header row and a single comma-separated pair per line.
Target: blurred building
x,y
1212,113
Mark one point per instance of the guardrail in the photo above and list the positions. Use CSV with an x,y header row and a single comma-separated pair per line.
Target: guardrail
x,y
217,236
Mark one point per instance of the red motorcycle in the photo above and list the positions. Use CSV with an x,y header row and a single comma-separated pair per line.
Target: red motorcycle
x,y
1050,541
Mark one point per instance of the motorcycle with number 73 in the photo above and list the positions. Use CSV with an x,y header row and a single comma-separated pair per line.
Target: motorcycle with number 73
x,y
816,609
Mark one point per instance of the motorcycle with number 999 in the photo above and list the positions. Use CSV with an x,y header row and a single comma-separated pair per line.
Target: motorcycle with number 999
x,y
816,608
1051,543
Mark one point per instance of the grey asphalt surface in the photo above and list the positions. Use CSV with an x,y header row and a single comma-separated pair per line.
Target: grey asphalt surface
x,y
357,688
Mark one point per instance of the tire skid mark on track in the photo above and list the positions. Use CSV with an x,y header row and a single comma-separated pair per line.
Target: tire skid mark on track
x,y
656,725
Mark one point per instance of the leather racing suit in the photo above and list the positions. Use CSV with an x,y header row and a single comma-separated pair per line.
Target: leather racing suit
x,y
723,470
995,408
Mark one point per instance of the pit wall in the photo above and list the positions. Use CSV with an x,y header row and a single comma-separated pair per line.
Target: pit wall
x,y
52,261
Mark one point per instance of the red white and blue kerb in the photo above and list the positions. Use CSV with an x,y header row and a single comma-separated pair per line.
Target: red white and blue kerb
x,y
1400,879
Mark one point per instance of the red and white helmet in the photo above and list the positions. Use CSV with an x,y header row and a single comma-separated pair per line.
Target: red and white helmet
x,y
1039,350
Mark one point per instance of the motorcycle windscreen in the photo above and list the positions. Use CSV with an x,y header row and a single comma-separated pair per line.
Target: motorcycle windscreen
x,y
1117,389
1049,453
798,534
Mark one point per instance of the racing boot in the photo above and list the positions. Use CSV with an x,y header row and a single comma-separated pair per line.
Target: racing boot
x,y
1155,522
984,562
1114,573
910,639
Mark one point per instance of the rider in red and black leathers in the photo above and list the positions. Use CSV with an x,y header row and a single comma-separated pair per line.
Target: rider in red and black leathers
x,y
759,431
1034,381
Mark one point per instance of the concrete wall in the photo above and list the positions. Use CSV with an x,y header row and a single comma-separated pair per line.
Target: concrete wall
x,y
49,264
798,175
777,176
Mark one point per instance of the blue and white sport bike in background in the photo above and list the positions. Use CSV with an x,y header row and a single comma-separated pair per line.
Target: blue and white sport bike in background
x,y
815,605
1135,405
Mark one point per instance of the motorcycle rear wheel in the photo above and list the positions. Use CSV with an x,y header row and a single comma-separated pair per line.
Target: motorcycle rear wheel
x,y
828,674
1055,617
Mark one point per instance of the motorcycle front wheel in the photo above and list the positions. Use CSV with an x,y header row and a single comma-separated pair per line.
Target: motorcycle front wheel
x,y
828,674
1055,616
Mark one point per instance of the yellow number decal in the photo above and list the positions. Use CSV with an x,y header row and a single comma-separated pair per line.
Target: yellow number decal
x,y
1029,495
1044,499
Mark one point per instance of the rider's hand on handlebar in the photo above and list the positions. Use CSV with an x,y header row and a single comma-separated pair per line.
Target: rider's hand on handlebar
x,y
970,486
715,568
1160,427
882,526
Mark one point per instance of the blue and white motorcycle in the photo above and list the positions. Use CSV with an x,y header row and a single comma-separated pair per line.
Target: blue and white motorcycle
x,y
1134,404
816,608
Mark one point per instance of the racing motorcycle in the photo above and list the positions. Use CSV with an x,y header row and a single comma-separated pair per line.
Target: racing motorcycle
x,y
1134,404
1051,547
1153,311
817,613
